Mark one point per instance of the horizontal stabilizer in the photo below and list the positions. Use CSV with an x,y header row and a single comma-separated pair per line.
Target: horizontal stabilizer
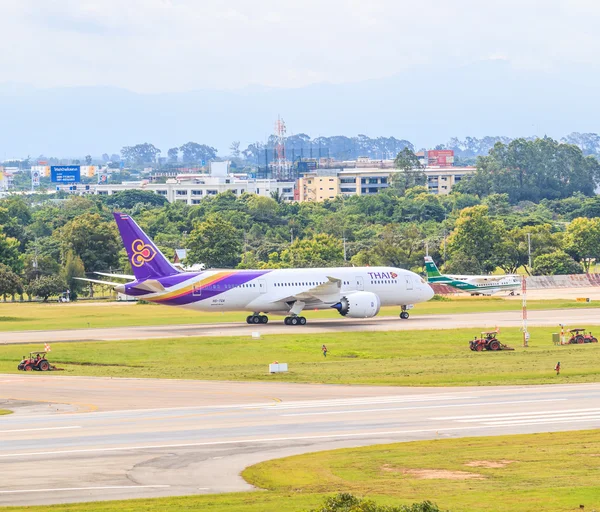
x,y
97,281
118,276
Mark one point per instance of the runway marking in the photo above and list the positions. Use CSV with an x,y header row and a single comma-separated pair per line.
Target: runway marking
x,y
513,414
103,488
244,441
421,407
538,421
38,429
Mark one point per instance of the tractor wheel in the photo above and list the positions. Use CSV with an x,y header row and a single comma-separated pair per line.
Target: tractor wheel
x,y
495,345
27,368
44,366
593,339
479,348
579,339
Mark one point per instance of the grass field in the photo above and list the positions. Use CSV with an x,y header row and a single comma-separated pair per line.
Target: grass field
x,y
36,316
532,473
4,412
407,358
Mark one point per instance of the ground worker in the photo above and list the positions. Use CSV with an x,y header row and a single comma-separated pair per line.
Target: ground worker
x,y
557,368
324,350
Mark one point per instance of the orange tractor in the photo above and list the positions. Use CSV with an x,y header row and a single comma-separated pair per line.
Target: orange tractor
x,y
580,336
487,341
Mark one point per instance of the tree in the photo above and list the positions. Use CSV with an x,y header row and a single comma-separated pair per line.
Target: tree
x,y
556,263
319,251
10,284
235,149
46,286
140,154
475,239
40,265
215,243
88,159
173,154
93,239
196,153
73,268
582,241
9,252
400,246
411,172
129,198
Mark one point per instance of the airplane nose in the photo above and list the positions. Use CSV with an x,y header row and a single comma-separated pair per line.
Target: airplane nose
x,y
428,293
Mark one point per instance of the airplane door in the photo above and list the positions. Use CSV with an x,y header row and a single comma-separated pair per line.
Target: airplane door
x,y
262,285
409,283
197,291
360,283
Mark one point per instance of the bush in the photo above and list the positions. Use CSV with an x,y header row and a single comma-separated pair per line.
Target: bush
x,y
345,502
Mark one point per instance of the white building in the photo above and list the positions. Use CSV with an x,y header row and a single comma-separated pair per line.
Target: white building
x,y
191,189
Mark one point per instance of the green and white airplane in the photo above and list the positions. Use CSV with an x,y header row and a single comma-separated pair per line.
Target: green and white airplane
x,y
475,285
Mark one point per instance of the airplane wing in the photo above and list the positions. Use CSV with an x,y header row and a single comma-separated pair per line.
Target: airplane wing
x,y
118,276
328,292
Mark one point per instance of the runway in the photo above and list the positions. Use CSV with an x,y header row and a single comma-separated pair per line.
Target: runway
x,y
583,317
149,438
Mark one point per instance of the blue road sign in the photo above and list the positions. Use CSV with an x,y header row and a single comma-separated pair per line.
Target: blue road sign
x,y
65,173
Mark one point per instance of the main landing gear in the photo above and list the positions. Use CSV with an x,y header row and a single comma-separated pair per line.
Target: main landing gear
x,y
257,319
294,320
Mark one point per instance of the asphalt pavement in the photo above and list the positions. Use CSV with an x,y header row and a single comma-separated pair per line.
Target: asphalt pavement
x,y
149,438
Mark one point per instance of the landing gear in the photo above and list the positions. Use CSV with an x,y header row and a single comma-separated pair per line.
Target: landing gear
x,y
404,315
294,320
257,319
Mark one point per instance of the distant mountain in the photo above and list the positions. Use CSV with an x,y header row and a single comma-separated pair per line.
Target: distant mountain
x,y
425,107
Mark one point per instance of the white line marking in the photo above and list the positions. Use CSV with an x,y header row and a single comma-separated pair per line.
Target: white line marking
x,y
417,408
103,488
247,441
534,421
512,414
534,416
38,429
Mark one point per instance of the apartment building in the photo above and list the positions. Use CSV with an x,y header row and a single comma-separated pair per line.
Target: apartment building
x,y
326,184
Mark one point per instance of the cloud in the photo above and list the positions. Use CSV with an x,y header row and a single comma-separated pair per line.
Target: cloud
x,y
169,45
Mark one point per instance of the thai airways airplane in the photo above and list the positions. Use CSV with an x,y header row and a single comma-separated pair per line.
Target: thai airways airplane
x,y
475,285
356,292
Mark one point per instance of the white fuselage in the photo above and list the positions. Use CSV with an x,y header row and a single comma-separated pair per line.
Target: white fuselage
x,y
276,290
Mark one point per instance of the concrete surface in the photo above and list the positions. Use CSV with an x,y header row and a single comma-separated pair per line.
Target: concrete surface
x,y
151,438
583,316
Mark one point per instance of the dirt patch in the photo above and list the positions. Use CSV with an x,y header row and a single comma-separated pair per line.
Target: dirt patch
x,y
490,464
431,474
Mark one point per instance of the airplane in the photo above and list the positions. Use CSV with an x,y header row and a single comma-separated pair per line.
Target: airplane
x,y
355,292
475,285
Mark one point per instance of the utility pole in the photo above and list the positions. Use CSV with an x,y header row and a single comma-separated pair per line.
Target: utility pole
x,y
529,249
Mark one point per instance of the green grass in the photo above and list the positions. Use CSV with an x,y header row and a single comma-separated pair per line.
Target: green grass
x,y
4,412
547,473
406,358
36,316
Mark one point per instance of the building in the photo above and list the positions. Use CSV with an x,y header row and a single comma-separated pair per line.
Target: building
x,y
324,184
191,189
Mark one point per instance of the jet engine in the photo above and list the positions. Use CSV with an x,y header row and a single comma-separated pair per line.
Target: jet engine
x,y
359,305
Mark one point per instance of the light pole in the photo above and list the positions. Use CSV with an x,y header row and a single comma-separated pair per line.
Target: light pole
x,y
529,249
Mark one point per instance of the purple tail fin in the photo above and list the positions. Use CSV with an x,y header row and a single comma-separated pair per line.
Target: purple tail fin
x,y
146,260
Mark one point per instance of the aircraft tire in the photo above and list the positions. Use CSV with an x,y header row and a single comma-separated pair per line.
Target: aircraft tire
x,y
302,320
249,319
286,320
264,319
404,315
294,320
256,319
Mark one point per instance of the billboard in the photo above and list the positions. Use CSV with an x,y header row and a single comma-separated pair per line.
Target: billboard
x,y
440,157
65,173
35,178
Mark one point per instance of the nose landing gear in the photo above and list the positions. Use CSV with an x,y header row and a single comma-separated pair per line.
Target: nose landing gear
x,y
404,315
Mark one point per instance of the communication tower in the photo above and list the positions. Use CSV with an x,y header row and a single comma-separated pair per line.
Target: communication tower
x,y
281,166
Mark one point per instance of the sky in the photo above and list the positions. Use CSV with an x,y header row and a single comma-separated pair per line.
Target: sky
x,y
158,46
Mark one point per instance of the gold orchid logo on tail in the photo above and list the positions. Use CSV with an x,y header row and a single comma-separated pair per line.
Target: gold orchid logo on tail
x,y
142,253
